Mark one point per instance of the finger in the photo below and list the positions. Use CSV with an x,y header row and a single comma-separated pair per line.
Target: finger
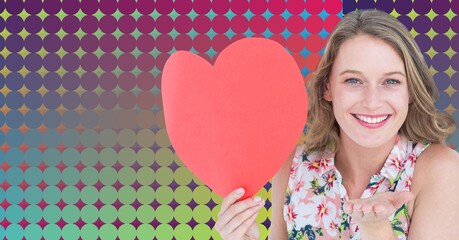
x,y
238,211
230,199
400,198
239,221
244,228
348,206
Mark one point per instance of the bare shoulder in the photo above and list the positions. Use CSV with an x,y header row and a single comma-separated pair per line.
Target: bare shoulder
x,y
437,160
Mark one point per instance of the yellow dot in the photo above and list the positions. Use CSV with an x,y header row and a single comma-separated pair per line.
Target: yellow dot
x,y
145,138
162,139
145,157
164,157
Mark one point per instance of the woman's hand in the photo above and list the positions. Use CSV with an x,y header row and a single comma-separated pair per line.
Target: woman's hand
x,y
236,220
372,214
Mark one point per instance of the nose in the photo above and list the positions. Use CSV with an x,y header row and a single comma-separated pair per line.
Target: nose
x,y
372,97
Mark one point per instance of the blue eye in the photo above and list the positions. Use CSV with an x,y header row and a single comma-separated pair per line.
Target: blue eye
x,y
392,81
352,81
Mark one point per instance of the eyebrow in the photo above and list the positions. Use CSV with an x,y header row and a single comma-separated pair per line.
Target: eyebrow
x,y
360,73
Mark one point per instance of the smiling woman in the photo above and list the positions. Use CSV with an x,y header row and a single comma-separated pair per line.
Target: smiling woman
x,y
372,123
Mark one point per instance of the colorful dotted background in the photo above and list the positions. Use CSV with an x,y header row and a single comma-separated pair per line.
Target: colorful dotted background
x,y
84,150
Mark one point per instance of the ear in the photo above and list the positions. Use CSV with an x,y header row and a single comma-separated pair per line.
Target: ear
x,y
327,94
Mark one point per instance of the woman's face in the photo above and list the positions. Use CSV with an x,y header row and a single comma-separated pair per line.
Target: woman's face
x,y
368,90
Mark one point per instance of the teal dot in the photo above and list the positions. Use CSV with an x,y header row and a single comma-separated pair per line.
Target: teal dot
x,y
108,157
126,157
33,214
2,215
33,195
70,138
52,157
2,194
33,176
52,214
126,213
108,214
33,232
2,155
108,138
89,176
89,157
126,195
70,157
52,138
165,232
33,138
89,214
2,229
14,138
14,157
70,214
52,176
108,231
14,214
89,195
14,195
70,194
108,195
14,176
70,231
126,232
33,157
127,176
70,176
108,176
89,232
14,231
52,195
52,231
89,138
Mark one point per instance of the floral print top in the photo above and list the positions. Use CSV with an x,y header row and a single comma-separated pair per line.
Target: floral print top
x,y
315,194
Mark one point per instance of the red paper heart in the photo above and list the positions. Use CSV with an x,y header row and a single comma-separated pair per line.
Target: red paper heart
x,y
233,124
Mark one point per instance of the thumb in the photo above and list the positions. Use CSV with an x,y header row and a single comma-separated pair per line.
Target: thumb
x,y
400,198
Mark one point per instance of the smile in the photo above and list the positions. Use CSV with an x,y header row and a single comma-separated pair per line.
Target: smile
x,y
371,119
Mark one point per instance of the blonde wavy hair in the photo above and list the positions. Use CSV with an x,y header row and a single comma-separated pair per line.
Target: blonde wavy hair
x,y
423,123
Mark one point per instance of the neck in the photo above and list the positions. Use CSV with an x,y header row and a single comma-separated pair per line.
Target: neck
x,y
357,163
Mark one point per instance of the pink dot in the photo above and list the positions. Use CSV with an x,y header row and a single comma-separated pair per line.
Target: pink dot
x,y
183,42
164,43
89,24
330,22
201,6
126,43
279,38
314,24
295,24
258,24
107,81
108,6
333,7
277,6
276,24
164,7
161,60
107,62
144,81
126,6
237,37
145,7
299,59
145,24
311,61
220,24
89,6
239,6
183,6
126,100
239,24
201,43
295,43
108,43
89,43
126,24
258,6
89,62
145,100
183,24
108,24
108,100
126,62
201,24
220,42
164,24
314,43
296,6
145,43
455,6
145,62
314,6
126,81
220,6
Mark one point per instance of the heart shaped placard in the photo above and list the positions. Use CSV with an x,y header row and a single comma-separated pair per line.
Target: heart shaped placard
x,y
234,123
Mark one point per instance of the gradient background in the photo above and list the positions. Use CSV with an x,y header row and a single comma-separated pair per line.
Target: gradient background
x,y
84,150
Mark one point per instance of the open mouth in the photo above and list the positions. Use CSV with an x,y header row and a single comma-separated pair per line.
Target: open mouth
x,y
373,119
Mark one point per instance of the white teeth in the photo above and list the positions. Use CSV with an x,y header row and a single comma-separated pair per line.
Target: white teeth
x,y
371,120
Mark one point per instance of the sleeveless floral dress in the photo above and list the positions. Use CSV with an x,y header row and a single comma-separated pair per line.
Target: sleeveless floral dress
x,y
315,194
